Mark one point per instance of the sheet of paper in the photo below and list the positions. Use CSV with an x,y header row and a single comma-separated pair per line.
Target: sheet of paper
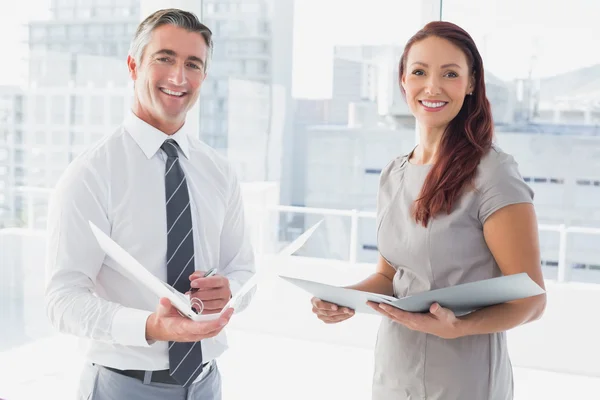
x,y
135,271
288,250
354,299
461,299
471,296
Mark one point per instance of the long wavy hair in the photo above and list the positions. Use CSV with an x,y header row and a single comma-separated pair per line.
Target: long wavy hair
x,y
466,139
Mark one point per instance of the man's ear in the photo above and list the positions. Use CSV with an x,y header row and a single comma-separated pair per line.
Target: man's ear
x,y
132,66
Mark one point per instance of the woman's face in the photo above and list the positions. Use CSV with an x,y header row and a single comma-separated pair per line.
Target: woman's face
x,y
436,80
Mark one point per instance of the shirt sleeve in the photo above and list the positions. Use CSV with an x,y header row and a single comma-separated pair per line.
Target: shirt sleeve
x,y
237,261
502,185
73,260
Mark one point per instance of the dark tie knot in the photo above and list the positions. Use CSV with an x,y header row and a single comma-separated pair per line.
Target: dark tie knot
x,y
170,148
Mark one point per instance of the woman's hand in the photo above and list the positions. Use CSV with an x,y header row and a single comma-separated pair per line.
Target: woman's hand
x,y
439,321
330,313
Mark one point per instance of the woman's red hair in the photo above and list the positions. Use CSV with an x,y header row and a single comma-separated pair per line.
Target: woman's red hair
x,y
467,138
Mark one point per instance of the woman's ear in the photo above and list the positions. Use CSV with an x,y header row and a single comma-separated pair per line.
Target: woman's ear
x,y
471,88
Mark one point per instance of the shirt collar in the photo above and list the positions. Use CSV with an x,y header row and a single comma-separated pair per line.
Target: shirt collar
x,y
150,139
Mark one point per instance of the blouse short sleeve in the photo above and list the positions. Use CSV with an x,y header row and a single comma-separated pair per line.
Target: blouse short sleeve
x,y
500,184
389,181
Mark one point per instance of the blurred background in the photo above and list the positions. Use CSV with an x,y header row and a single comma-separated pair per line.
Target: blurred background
x,y
302,96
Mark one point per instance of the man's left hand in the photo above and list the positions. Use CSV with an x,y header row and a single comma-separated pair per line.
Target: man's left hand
x,y
214,291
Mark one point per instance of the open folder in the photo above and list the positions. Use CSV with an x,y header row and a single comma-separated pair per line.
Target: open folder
x,y
132,269
461,299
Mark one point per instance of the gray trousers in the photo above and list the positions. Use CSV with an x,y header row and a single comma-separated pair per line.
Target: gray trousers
x,y
99,383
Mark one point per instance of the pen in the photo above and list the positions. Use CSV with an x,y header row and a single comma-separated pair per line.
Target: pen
x,y
208,273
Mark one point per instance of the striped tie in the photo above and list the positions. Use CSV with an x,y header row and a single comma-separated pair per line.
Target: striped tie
x,y
185,359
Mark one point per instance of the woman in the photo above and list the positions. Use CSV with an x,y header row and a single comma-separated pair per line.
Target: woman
x,y
454,210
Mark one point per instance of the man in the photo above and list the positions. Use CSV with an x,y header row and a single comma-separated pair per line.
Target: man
x,y
174,204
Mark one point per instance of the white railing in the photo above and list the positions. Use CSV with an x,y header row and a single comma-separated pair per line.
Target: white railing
x,y
355,215
561,229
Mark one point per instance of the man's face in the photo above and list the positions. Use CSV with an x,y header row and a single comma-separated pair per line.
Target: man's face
x,y
168,76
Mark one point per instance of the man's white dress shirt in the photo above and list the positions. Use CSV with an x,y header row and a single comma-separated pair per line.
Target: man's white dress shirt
x,y
119,185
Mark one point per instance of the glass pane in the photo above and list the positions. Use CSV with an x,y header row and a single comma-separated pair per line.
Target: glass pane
x,y
544,107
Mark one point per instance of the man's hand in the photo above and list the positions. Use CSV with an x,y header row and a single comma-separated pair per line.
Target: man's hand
x,y
214,291
166,324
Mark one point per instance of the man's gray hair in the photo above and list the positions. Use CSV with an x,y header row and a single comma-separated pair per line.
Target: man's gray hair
x,y
170,16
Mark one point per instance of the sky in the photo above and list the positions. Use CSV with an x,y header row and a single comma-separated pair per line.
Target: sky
x,y
562,34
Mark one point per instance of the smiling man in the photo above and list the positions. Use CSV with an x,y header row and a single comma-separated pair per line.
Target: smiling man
x,y
175,205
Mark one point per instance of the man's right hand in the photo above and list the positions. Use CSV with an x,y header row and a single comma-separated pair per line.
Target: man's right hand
x,y
166,324
330,313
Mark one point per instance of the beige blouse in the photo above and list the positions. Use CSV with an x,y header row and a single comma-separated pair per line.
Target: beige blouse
x,y
449,251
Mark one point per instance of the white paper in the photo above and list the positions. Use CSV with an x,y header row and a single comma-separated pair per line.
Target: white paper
x,y
461,299
132,269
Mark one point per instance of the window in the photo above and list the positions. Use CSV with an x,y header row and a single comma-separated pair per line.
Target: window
x,y
117,109
264,27
221,107
38,32
96,31
40,109
19,156
263,67
96,136
59,138
77,109
58,31
78,32
40,138
58,109
78,138
96,110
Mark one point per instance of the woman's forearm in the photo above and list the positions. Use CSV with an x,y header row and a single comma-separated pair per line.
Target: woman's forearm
x,y
376,283
502,317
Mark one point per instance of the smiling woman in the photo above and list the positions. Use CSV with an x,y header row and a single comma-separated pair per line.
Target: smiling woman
x,y
442,67
454,210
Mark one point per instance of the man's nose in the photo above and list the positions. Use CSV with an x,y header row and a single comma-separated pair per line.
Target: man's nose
x,y
177,74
